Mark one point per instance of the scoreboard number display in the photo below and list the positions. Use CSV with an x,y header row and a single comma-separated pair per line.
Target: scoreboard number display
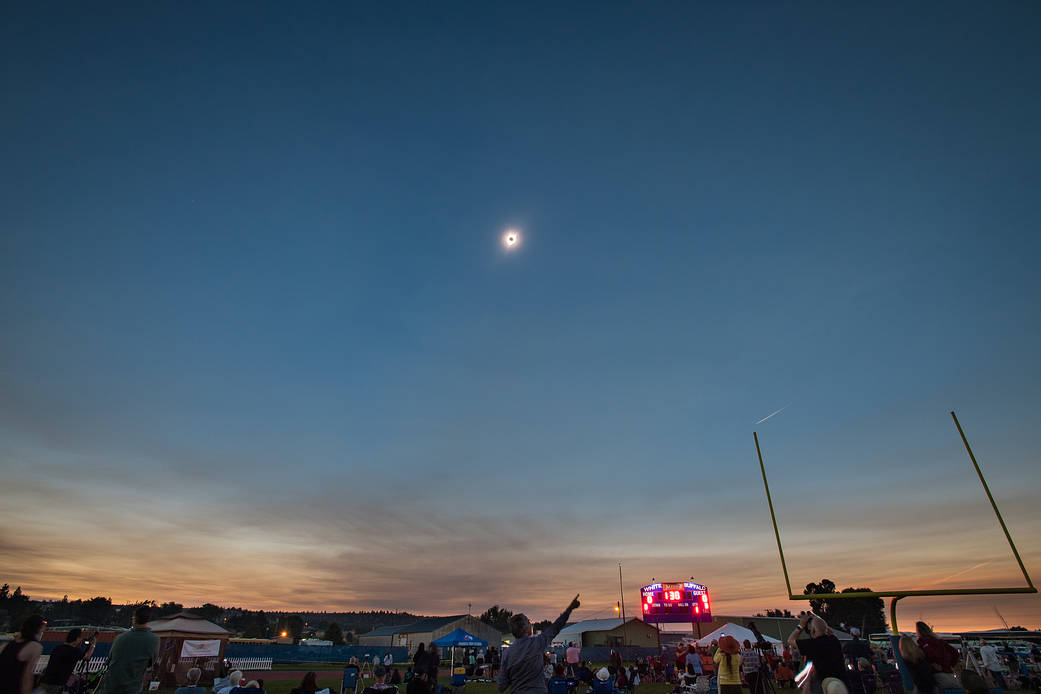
x,y
675,602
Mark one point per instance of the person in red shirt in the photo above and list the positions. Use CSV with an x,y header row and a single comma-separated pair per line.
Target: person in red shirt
x,y
940,655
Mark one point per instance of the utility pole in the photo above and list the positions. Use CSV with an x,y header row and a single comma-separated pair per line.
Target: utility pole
x,y
621,594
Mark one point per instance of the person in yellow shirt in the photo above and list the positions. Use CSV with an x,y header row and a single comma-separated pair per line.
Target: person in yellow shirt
x,y
728,665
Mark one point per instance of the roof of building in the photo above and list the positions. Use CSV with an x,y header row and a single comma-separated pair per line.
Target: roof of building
x,y
573,632
419,627
431,623
386,631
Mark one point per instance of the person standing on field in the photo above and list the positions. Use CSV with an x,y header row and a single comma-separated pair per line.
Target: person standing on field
x,y
133,653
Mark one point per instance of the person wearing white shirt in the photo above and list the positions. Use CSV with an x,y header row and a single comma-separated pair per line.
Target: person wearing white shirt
x,y
989,654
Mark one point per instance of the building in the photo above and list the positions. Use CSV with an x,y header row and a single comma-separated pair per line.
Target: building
x,y
608,632
427,630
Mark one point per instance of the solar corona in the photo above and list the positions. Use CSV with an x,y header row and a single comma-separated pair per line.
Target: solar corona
x,y
681,601
511,239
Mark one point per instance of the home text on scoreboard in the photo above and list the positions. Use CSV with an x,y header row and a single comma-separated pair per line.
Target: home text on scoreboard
x,y
682,601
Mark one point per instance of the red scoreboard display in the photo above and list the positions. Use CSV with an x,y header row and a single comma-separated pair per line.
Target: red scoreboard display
x,y
675,602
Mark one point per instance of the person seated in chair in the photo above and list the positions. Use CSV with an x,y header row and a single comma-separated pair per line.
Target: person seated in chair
x,y
689,678
225,685
785,676
308,685
252,687
192,685
557,682
379,682
603,685
621,681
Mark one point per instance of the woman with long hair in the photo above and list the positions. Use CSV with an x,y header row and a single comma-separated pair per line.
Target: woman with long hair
x,y
917,665
728,665
308,685
19,657
942,656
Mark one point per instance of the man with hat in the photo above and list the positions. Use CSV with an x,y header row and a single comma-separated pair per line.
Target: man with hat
x,y
728,665
856,648
379,682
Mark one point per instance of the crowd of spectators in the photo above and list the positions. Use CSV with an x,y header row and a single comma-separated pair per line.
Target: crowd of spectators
x,y
825,665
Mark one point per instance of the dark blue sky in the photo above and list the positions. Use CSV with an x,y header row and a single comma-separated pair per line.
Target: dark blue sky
x,y
251,272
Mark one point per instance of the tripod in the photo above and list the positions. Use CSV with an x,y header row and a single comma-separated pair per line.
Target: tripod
x,y
764,685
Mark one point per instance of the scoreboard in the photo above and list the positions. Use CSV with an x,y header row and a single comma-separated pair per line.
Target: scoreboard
x,y
675,602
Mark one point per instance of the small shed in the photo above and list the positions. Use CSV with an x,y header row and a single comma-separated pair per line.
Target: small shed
x,y
187,640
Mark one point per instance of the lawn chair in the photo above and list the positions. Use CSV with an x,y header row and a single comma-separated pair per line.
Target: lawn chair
x,y
558,685
350,679
458,677
895,682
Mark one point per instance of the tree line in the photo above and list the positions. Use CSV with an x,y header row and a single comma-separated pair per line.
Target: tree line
x,y
338,627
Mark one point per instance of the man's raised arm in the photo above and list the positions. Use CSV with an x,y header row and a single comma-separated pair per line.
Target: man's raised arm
x,y
554,628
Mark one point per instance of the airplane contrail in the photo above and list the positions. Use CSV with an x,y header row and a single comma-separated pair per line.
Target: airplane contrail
x,y
772,414
963,571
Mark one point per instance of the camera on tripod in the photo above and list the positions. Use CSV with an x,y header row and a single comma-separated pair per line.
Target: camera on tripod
x,y
761,644
763,685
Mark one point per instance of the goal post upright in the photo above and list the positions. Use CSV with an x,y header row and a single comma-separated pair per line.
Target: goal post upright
x,y
897,595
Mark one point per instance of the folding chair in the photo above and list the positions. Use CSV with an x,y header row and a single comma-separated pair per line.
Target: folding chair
x,y
350,679
895,682
458,677
558,685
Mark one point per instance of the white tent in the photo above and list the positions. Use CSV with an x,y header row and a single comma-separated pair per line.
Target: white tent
x,y
738,632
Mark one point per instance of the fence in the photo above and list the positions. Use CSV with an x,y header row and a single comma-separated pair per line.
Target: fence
x,y
249,664
285,653
93,665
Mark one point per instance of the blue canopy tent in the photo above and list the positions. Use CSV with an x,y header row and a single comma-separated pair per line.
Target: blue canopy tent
x,y
460,638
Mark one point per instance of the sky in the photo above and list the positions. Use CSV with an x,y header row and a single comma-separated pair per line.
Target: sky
x,y
261,345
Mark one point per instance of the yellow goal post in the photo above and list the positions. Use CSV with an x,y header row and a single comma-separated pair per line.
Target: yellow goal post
x,y
896,595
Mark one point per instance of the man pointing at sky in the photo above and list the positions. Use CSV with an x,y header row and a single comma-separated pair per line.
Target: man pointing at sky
x,y
522,662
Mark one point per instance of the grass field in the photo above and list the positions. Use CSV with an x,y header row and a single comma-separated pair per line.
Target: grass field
x,y
333,683
285,686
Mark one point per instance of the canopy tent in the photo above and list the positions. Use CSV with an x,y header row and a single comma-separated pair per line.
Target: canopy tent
x,y
187,640
460,638
738,632
187,624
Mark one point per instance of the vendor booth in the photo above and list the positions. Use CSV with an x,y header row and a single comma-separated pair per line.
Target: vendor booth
x,y
461,639
187,640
